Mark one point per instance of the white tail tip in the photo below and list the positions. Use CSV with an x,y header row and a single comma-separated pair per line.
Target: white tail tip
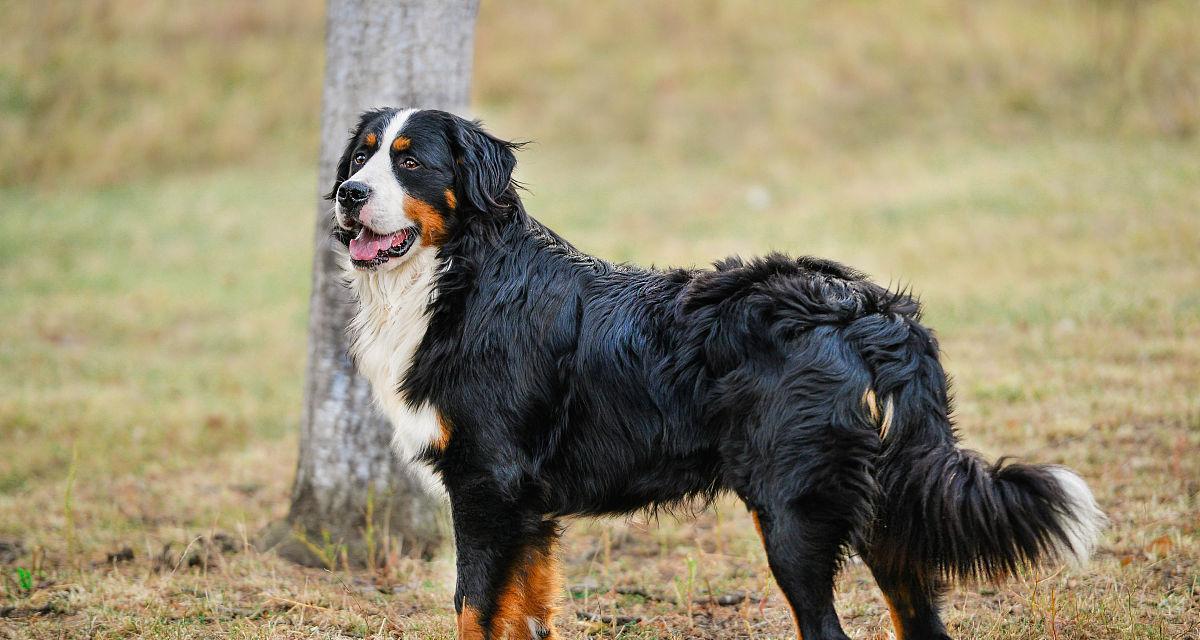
x,y
1081,520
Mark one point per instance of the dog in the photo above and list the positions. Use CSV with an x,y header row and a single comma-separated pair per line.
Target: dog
x,y
538,382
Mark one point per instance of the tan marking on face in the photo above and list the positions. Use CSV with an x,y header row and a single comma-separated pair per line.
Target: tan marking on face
x,y
371,140
451,201
531,592
401,143
468,624
433,224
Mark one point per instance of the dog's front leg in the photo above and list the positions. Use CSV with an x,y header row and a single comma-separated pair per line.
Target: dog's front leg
x,y
508,578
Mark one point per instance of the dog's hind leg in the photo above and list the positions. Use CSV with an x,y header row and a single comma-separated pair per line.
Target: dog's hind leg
x,y
804,469
803,551
912,601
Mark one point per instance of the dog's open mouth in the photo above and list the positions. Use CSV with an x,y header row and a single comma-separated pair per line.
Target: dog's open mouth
x,y
368,249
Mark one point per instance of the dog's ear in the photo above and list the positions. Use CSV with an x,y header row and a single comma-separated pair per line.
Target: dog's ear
x,y
343,165
483,163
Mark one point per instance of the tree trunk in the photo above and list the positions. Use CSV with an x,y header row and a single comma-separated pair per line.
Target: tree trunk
x,y
401,53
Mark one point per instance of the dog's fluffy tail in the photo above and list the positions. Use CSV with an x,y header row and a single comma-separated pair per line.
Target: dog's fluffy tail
x,y
944,512
949,514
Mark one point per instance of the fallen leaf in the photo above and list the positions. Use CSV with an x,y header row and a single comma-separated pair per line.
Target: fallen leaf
x,y
1160,546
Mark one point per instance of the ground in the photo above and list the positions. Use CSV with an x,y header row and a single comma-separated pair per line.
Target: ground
x,y
1048,215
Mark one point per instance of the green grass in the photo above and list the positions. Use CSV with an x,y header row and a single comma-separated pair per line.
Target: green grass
x,y
1032,172
141,321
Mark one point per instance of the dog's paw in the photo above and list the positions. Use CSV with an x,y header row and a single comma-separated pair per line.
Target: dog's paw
x,y
538,631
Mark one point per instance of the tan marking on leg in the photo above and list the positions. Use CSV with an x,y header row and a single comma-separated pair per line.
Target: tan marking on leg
x,y
433,225
531,593
896,624
897,607
401,143
468,624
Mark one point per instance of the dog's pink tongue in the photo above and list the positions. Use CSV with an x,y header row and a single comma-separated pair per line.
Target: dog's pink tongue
x,y
367,245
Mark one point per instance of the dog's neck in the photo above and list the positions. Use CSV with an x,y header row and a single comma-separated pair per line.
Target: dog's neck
x,y
390,290
386,331
391,317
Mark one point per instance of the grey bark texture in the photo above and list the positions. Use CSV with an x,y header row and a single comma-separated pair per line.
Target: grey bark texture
x,y
400,53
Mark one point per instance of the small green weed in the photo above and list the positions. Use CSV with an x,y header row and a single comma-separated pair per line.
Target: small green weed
x,y
24,579
327,551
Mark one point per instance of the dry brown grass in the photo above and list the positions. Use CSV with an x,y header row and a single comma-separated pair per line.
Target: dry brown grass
x,y
1031,169
110,91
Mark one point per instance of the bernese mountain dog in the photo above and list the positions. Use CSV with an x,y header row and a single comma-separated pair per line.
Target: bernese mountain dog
x,y
538,382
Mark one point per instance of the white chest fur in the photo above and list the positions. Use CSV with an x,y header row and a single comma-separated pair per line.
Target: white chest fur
x,y
386,332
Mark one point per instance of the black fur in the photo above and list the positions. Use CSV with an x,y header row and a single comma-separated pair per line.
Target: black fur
x,y
483,164
578,386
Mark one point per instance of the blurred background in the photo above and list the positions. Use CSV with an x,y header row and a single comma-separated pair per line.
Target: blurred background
x,y
1031,169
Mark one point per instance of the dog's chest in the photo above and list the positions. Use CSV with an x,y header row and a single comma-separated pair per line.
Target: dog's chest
x,y
387,331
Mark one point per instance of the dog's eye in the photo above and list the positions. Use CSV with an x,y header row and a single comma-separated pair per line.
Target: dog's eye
x,y
359,158
410,163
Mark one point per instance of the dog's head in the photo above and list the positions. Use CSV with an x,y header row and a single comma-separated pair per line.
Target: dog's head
x,y
409,178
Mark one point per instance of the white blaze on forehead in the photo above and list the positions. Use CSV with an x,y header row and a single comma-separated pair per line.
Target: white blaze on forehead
x,y
384,210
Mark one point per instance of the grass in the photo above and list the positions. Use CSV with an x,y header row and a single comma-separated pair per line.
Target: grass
x,y
1032,172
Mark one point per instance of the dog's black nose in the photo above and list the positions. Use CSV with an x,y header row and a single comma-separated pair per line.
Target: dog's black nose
x,y
353,194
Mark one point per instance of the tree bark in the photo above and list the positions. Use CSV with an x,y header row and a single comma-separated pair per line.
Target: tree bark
x,y
401,53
